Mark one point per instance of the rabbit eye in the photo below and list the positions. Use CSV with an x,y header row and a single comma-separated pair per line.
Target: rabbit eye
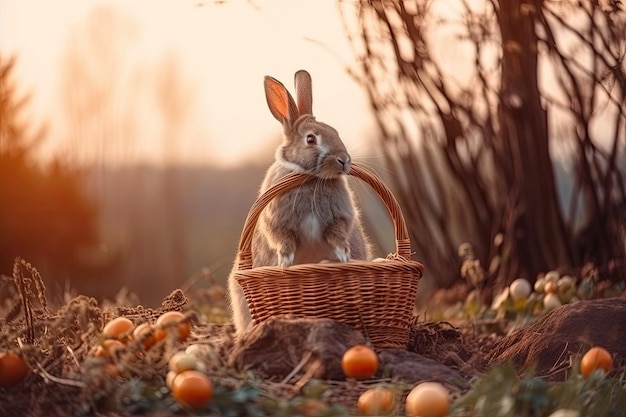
x,y
311,139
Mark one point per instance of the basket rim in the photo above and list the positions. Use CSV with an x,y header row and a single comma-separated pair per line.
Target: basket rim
x,y
388,265
292,180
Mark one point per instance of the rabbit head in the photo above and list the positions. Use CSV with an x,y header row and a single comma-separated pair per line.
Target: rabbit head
x,y
309,146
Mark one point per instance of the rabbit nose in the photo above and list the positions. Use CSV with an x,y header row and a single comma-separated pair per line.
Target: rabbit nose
x,y
344,161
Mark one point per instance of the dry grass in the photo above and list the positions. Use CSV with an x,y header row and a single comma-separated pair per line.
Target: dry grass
x,y
67,379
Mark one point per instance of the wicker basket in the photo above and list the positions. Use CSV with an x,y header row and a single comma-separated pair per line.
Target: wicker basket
x,y
375,297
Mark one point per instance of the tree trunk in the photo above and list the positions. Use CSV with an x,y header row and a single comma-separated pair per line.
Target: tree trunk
x,y
539,233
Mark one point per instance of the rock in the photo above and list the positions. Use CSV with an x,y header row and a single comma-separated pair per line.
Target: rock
x,y
546,346
410,367
277,346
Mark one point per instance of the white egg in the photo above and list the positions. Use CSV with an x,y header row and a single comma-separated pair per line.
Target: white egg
x,y
551,301
520,289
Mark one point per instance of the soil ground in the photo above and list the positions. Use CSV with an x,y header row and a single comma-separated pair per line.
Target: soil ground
x,y
67,378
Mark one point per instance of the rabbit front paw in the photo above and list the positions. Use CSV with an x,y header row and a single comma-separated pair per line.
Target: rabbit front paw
x,y
342,253
286,252
286,259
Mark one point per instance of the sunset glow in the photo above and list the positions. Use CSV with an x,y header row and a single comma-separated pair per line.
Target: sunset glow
x,y
218,54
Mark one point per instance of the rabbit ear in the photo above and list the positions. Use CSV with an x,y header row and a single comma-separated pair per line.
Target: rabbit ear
x,y
304,94
280,102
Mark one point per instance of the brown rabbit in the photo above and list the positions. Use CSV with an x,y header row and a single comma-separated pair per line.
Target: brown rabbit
x,y
317,220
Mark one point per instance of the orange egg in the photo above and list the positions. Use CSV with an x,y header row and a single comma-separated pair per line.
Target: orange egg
x,y
359,362
551,287
118,328
146,333
596,358
192,389
378,401
312,407
107,348
166,323
428,399
13,369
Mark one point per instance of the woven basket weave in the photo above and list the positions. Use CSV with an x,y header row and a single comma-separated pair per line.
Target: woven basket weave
x,y
376,298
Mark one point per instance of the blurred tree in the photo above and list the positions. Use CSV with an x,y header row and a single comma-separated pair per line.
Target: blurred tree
x,y
473,100
45,217
174,100
98,97
114,106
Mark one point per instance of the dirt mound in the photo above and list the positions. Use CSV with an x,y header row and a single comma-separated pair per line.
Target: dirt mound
x,y
312,348
546,347
276,347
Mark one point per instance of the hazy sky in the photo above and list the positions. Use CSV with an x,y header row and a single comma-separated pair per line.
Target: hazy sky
x,y
223,51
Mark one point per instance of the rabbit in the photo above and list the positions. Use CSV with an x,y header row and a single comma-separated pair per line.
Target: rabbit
x,y
317,220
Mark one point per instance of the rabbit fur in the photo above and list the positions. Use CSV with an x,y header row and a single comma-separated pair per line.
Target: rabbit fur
x,y
315,221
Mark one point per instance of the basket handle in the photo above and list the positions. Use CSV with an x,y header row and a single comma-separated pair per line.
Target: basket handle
x,y
292,180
